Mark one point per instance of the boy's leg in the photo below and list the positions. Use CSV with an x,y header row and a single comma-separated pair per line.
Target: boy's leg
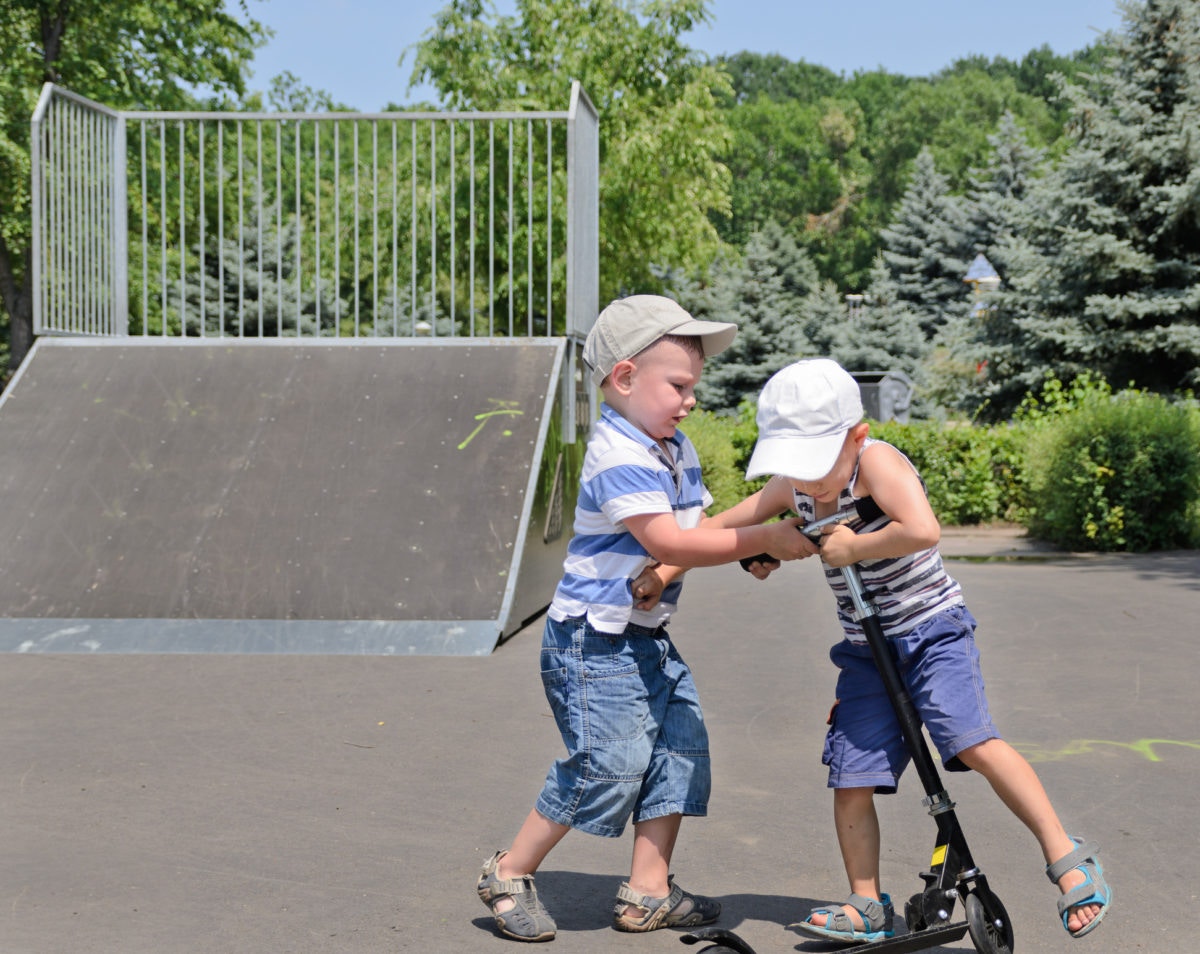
x,y
535,840
649,900
653,845
1014,780
857,826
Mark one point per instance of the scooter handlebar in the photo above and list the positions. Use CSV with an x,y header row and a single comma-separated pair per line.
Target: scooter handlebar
x,y
811,530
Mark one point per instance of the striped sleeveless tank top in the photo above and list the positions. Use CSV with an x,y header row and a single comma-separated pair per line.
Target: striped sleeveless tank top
x,y
906,591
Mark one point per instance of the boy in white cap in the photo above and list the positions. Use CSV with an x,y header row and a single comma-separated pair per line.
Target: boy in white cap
x,y
622,696
814,442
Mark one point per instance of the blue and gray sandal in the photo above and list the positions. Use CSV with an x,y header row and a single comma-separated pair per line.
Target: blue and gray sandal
x,y
878,918
1093,890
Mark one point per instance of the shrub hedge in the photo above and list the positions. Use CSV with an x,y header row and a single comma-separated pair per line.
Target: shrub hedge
x,y
1079,466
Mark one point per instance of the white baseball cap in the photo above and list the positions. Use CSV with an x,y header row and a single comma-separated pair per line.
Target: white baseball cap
x,y
804,413
630,325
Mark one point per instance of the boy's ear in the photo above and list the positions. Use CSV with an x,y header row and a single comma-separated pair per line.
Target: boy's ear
x,y
621,375
860,431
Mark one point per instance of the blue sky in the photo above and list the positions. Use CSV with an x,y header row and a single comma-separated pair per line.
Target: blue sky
x,y
351,48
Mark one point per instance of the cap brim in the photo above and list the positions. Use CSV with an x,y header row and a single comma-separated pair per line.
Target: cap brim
x,y
716,336
798,458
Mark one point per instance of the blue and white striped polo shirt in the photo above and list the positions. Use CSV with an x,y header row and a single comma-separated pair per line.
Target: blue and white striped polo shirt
x,y
625,473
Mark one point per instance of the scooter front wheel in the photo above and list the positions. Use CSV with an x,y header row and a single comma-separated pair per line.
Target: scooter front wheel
x,y
991,930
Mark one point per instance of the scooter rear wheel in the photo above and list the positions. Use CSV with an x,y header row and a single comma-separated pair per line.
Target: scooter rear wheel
x,y
991,930
914,916
725,942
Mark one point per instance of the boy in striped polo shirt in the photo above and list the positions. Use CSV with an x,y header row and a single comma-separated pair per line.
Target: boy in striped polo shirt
x,y
622,696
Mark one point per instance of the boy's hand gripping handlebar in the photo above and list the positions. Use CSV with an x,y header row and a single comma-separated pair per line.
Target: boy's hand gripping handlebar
x,y
867,510
811,530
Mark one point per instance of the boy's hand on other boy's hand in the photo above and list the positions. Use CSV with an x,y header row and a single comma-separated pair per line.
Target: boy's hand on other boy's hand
x,y
837,543
647,589
787,542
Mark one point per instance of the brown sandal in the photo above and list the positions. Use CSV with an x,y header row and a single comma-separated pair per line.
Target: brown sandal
x,y
526,920
677,909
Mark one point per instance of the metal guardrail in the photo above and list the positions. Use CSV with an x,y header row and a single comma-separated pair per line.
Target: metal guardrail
x,y
253,225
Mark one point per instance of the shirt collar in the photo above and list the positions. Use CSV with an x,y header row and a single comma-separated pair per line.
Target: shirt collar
x,y
622,424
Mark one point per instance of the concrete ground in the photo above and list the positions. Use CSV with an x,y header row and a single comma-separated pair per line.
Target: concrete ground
x,y
219,803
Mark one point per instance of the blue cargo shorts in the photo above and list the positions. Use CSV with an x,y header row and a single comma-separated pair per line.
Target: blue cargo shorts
x,y
939,664
629,715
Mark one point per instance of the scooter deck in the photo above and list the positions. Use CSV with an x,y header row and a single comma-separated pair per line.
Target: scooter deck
x,y
916,941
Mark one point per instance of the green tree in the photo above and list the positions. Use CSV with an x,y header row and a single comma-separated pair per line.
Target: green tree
x,y
1039,73
127,55
885,333
1104,274
661,132
251,289
764,290
768,74
792,162
952,116
993,200
927,248
956,366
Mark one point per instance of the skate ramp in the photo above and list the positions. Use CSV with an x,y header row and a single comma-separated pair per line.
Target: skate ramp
x,y
351,497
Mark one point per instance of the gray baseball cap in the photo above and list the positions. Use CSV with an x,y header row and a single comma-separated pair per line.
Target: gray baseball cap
x,y
630,325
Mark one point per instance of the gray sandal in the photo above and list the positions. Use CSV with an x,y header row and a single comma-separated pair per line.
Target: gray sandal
x,y
878,919
526,920
1093,890
677,909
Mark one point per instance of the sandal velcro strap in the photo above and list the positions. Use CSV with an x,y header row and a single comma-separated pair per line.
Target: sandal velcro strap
x,y
869,908
677,909
1071,860
1092,890
874,915
527,919
878,917
644,901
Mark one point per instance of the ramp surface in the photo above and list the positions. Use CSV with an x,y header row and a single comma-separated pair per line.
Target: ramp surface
x,y
347,497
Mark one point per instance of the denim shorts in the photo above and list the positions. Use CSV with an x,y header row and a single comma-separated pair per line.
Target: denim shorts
x,y
939,664
630,717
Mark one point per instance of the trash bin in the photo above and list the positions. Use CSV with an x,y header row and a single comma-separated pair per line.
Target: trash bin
x,y
886,395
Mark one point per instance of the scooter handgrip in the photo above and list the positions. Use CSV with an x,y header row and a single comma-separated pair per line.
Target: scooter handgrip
x,y
761,557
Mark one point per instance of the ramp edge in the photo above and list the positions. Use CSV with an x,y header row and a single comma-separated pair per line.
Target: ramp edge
x,y
466,637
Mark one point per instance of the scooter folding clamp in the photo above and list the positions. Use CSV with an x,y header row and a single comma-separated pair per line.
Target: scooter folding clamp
x,y
939,803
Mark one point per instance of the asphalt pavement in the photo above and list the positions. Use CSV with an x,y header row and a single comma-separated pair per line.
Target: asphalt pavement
x,y
153,804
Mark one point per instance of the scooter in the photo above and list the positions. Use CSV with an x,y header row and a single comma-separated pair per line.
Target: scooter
x,y
952,873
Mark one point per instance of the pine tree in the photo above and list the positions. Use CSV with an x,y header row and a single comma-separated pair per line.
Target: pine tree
x,y
955,365
764,292
885,334
999,187
262,277
928,246
1105,273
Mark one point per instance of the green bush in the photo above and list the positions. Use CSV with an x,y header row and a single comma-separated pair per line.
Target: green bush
x,y
723,447
1118,472
1079,466
972,474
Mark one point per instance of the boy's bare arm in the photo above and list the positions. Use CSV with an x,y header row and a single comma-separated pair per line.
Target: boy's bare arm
x,y
772,499
705,545
885,476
